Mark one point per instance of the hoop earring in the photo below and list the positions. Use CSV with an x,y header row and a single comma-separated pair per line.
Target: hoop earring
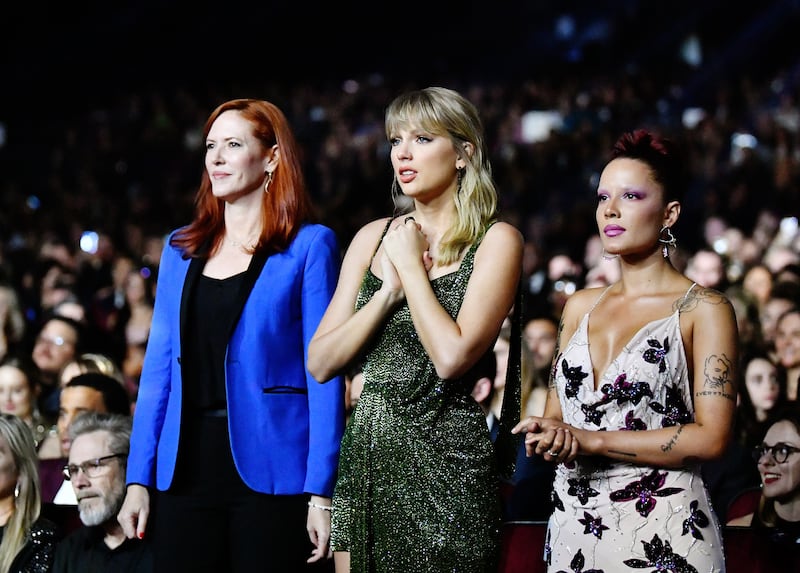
x,y
606,256
460,176
270,175
667,239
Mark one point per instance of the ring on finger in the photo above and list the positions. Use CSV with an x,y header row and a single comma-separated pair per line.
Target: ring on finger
x,y
409,218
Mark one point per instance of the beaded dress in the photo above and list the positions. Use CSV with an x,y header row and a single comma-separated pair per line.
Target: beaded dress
x,y
614,516
418,480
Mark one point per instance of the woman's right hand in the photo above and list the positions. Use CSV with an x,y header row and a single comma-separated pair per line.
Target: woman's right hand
x,y
135,511
391,281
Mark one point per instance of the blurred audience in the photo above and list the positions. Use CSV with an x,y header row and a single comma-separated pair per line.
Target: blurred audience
x,y
58,342
787,348
18,389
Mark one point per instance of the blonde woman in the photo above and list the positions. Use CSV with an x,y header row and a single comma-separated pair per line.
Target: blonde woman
x,y
421,298
28,540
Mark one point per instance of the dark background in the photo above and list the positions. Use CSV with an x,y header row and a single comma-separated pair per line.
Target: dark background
x,y
61,54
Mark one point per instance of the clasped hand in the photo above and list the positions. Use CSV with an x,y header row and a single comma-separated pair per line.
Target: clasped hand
x,y
552,439
403,246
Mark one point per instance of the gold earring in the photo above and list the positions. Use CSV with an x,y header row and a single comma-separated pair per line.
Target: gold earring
x,y
270,174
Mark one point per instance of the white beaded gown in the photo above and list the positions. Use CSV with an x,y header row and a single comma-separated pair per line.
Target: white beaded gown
x,y
614,516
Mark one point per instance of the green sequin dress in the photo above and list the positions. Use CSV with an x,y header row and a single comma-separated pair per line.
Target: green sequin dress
x,y
418,477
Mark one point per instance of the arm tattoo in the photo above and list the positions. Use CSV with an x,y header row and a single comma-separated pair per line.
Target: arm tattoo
x,y
696,296
556,354
672,441
717,372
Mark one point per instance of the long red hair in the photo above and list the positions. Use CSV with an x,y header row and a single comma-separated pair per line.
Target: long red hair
x,y
283,209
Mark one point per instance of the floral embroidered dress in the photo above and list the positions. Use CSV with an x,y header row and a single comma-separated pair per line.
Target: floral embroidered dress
x,y
614,516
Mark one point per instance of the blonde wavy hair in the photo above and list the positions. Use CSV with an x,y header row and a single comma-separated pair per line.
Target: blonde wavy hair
x,y
445,112
28,502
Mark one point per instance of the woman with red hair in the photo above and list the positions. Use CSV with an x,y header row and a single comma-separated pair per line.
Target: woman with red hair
x,y
234,440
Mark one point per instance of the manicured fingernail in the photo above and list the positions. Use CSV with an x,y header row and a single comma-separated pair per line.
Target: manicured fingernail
x,y
141,535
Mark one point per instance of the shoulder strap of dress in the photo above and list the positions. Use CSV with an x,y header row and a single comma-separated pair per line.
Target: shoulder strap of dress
x,y
385,230
599,298
685,296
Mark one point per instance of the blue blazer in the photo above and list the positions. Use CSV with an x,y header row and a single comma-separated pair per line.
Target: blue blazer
x,y
285,427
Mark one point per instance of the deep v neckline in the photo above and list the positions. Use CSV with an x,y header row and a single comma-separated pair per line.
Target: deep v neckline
x,y
597,382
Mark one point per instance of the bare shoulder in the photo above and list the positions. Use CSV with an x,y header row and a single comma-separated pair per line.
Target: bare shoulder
x,y
501,246
503,234
577,305
369,234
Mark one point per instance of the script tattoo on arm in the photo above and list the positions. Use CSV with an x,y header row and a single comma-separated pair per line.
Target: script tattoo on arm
x,y
672,441
717,373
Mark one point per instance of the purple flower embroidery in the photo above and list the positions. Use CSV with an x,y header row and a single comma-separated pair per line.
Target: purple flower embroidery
x,y
644,491
634,424
697,518
657,353
593,525
623,391
579,487
674,408
577,563
661,557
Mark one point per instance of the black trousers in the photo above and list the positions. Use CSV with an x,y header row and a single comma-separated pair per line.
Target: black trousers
x,y
210,521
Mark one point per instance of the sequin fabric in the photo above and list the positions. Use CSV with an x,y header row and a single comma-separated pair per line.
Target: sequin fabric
x,y
417,489
612,516
38,553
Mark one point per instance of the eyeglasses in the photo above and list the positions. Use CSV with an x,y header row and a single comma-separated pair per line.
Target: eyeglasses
x,y
780,452
90,468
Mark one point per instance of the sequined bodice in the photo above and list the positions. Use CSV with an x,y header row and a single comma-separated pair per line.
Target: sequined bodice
x,y
418,481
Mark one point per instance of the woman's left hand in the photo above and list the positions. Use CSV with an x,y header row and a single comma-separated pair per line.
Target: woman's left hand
x,y
552,439
318,526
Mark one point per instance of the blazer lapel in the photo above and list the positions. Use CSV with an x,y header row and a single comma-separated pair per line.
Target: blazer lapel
x,y
251,276
192,274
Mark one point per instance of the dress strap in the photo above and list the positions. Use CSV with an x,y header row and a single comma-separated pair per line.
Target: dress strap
x,y
599,298
685,296
378,246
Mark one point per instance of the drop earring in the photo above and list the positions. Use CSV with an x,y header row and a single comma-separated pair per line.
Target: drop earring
x,y
270,175
667,239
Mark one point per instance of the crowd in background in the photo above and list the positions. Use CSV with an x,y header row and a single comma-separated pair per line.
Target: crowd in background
x,y
86,202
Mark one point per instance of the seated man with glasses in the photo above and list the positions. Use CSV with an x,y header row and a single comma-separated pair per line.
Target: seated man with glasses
x,y
98,461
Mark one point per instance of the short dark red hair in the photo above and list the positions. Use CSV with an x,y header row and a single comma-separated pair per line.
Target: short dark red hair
x,y
663,155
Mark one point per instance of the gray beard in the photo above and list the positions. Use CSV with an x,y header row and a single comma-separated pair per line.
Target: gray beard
x,y
106,511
